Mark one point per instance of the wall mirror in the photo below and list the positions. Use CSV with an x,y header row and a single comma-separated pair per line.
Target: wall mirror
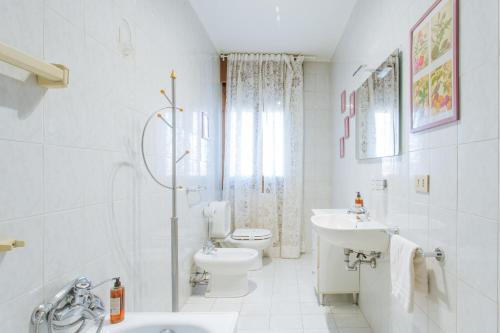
x,y
378,111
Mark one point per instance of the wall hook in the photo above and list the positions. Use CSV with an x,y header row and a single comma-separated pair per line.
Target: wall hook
x,y
182,156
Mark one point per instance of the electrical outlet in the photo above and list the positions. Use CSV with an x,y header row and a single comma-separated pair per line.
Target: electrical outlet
x,y
422,184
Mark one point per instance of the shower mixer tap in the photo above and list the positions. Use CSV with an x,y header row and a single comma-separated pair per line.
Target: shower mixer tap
x,y
74,305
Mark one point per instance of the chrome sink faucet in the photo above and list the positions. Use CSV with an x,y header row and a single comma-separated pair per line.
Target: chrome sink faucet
x,y
74,306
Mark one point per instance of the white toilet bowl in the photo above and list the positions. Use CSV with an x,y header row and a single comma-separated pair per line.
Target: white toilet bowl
x,y
220,227
228,268
257,239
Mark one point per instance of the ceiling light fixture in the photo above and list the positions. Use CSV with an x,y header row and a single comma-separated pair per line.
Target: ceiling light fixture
x,y
277,9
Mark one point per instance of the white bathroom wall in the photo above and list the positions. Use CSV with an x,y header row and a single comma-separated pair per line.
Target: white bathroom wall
x,y
72,183
318,156
460,214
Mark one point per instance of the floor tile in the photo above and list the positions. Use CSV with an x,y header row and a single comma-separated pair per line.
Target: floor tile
x,y
226,307
285,308
282,300
285,322
255,309
253,322
350,320
317,321
197,307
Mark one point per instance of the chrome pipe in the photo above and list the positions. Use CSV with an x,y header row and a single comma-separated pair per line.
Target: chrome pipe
x,y
174,229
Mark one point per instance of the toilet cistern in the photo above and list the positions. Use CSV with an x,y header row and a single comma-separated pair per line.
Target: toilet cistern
x,y
209,246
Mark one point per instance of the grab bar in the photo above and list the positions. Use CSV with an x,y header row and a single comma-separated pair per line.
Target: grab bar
x,y
48,75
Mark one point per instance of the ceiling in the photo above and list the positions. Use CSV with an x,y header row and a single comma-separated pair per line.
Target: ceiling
x,y
311,27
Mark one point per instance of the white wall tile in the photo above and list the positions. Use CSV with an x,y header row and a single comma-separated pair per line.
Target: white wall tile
x,y
443,226
21,110
22,25
443,299
21,179
479,103
478,174
443,180
461,159
419,164
317,139
71,11
99,213
64,178
475,22
15,313
477,239
475,313
23,266
65,110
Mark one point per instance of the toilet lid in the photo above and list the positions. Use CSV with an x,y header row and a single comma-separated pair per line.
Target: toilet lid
x,y
251,234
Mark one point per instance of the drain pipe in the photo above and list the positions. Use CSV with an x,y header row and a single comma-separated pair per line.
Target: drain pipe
x,y
347,260
361,258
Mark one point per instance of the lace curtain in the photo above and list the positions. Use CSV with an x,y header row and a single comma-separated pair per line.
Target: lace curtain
x,y
263,175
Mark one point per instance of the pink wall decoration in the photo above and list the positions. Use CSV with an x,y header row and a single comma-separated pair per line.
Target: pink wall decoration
x,y
347,131
343,101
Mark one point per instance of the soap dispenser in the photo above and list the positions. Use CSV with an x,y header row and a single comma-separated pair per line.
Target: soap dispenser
x,y
117,302
358,202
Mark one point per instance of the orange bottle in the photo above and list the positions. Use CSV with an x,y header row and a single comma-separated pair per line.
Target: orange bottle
x,y
358,202
117,302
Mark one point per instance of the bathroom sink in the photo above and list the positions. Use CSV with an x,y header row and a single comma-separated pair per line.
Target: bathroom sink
x,y
345,231
179,322
329,211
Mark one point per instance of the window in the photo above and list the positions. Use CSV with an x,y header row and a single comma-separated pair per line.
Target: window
x,y
245,148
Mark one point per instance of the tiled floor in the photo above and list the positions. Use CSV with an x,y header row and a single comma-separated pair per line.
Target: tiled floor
x,y
282,300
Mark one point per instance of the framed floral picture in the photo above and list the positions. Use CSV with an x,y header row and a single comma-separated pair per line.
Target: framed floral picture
x,y
352,104
342,147
343,101
434,67
347,131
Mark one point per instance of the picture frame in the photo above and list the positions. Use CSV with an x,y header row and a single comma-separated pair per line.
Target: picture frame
x,y
434,67
342,147
352,104
205,128
347,131
343,97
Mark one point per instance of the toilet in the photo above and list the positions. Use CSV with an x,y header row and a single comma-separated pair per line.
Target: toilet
x,y
220,229
257,239
228,268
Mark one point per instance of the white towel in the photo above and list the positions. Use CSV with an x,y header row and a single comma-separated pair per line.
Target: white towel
x,y
408,271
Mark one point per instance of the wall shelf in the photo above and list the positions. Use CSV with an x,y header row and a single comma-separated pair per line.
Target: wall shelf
x,y
48,75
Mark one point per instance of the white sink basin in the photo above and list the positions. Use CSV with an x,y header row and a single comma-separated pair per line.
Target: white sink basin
x,y
178,322
344,231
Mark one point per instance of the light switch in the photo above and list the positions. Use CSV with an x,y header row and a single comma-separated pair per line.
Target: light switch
x,y
422,184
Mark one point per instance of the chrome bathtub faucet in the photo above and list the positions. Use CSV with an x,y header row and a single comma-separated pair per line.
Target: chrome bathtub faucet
x,y
74,306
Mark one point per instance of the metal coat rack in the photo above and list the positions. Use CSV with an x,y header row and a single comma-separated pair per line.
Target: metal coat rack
x,y
174,228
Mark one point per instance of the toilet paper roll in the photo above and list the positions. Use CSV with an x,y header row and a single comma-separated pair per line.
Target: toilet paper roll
x,y
220,219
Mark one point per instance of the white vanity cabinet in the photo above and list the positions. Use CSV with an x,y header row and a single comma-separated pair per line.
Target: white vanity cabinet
x,y
330,274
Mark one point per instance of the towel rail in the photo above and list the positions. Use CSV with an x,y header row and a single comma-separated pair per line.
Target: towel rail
x,y
437,254
48,75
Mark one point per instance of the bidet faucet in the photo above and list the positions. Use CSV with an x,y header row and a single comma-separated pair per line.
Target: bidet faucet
x,y
73,306
209,247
